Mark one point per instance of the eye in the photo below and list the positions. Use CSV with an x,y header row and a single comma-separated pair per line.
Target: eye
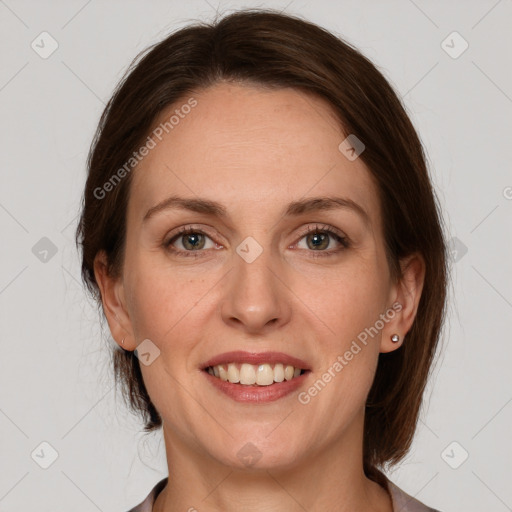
x,y
191,240
319,238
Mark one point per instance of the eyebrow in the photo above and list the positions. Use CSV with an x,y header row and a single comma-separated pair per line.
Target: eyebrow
x,y
293,209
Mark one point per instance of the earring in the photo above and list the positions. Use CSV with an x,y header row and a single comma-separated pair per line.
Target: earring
x,y
122,341
395,338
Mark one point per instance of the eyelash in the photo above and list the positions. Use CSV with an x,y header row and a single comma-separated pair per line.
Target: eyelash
x,y
343,240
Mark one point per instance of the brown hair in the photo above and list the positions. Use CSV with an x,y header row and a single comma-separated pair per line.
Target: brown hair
x,y
276,50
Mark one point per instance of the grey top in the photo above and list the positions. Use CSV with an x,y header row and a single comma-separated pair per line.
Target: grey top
x,y
402,502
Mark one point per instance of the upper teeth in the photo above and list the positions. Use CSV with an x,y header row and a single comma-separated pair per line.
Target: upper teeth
x,y
248,374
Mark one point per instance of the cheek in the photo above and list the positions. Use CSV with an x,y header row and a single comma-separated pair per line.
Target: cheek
x,y
166,304
346,306
155,301
345,301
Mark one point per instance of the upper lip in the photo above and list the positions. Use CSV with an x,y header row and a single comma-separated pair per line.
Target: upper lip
x,y
256,358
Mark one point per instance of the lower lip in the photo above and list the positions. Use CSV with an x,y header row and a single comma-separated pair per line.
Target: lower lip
x,y
257,394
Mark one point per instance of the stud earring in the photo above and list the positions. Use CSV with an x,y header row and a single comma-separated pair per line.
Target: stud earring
x,y
395,338
122,341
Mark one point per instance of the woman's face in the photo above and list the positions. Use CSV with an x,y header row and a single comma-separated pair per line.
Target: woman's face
x,y
253,281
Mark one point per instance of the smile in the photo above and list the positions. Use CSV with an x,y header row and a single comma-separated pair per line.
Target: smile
x,y
259,375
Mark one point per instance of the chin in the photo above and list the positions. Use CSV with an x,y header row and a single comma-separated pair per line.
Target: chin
x,y
258,453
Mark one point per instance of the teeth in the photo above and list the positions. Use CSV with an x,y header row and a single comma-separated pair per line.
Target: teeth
x,y
223,373
248,374
278,373
233,373
265,375
288,372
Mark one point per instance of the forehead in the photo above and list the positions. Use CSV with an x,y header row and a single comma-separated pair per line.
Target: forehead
x,y
245,145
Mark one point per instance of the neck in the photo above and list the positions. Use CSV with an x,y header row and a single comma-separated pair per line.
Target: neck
x,y
332,479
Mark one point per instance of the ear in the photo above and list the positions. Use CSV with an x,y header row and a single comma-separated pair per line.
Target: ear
x,y
114,304
405,297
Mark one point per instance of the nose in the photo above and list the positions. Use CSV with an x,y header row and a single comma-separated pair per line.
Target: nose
x,y
256,299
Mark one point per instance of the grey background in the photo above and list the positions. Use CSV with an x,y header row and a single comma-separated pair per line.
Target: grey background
x,y
55,380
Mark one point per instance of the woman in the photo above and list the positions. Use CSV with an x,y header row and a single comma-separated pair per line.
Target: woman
x,y
260,228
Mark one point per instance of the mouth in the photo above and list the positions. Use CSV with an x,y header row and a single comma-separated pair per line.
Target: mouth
x,y
247,374
256,377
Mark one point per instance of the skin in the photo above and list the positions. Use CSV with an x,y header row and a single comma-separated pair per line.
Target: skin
x,y
256,150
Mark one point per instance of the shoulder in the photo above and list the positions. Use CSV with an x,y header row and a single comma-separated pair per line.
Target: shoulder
x,y
405,503
147,504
